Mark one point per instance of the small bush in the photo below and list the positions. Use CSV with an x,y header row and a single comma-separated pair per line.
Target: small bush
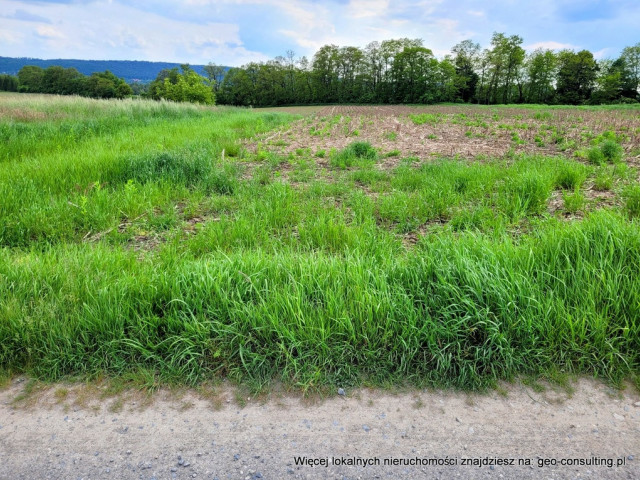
x,y
363,150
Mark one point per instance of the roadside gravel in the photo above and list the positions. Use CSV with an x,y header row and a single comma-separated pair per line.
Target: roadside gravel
x,y
418,434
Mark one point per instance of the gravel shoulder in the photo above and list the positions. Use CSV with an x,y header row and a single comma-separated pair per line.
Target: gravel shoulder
x,y
62,433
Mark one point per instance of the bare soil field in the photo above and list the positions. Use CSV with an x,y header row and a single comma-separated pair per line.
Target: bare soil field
x,y
451,131
301,110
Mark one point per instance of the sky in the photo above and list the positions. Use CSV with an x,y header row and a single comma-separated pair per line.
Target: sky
x,y
235,32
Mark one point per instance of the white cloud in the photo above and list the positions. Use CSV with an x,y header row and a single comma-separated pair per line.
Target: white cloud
x,y
110,30
234,32
49,32
10,37
601,54
367,8
550,45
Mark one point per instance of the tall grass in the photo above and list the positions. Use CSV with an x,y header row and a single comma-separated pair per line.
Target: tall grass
x,y
462,311
255,278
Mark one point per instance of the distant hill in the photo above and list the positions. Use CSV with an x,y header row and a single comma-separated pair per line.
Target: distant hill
x,y
130,70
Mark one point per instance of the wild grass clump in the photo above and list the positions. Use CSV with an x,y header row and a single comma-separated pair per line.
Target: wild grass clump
x,y
186,167
595,156
422,118
480,218
571,175
573,201
611,150
607,151
603,181
525,195
355,152
631,197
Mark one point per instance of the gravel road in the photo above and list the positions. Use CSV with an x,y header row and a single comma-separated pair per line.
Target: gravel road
x,y
515,433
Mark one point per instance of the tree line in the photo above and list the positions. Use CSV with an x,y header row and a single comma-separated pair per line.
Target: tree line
x,y
132,71
66,81
184,85
392,71
405,71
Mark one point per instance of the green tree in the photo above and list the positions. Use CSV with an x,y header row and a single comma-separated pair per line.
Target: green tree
x,y
184,86
350,67
504,61
8,83
237,88
30,79
413,73
325,73
540,69
608,84
107,85
465,59
215,74
576,76
63,81
630,73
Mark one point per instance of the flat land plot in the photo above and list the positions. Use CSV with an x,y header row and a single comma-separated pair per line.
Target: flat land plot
x,y
433,246
466,131
302,110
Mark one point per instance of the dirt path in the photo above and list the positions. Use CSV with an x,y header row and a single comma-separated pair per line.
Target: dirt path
x,y
192,437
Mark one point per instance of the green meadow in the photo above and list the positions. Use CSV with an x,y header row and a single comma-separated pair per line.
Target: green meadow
x,y
168,243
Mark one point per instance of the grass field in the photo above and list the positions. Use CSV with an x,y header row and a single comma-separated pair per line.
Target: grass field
x,y
439,246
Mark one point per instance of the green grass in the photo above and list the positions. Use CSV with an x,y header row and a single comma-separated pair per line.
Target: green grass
x,y
356,152
142,248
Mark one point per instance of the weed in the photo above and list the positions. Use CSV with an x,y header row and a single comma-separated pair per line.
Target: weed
x,y
525,195
543,115
571,175
631,196
310,284
611,151
352,153
595,156
422,118
573,201
391,136
603,182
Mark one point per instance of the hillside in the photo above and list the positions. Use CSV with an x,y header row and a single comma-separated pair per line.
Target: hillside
x,y
130,70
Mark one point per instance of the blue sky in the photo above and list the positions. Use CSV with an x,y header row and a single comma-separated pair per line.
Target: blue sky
x,y
234,32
